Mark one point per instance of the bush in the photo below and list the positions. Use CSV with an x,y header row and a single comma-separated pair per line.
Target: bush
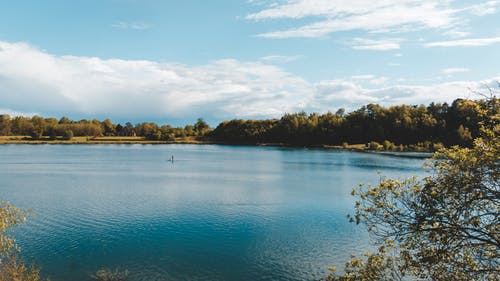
x,y
68,135
388,145
12,269
36,134
168,137
53,135
437,146
375,146
443,227
154,136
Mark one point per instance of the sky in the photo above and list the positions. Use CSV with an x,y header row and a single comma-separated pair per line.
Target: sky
x,y
174,61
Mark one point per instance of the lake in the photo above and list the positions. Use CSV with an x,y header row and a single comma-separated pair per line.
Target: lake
x,y
216,213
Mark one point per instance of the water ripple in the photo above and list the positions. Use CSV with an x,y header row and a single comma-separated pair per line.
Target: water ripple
x,y
219,213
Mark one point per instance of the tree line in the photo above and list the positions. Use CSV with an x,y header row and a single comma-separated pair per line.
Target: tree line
x,y
37,128
399,127
393,127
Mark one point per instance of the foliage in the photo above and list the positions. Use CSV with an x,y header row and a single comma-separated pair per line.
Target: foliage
x,y
201,127
10,216
14,270
388,145
109,275
419,126
383,265
401,127
36,134
444,227
38,128
68,135
373,145
11,268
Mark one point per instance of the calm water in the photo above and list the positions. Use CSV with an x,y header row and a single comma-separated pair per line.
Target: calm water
x,y
216,213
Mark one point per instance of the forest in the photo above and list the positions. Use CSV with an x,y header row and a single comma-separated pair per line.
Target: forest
x,y
38,128
435,124
400,127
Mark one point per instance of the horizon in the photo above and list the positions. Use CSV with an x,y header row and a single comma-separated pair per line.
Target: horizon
x,y
214,125
171,63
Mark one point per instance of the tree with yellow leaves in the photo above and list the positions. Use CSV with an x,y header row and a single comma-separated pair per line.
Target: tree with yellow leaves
x,y
11,268
444,227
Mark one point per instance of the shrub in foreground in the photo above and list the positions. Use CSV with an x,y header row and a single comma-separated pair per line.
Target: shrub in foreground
x,y
444,227
11,268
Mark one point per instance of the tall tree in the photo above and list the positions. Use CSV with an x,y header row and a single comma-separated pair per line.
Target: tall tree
x,y
201,127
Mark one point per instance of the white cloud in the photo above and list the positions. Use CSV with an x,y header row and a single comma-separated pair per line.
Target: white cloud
x,y
16,113
131,25
280,59
35,81
471,42
487,8
363,77
375,45
456,33
368,15
371,78
338,93
453,70
384,16
394,64
379,81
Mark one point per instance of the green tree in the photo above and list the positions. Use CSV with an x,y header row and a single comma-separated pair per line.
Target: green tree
x,y
108,127
444,227
36,133
201,127
189,130
156,135
464,135
119,130
340,112
68,135
5,126
64,120
10,216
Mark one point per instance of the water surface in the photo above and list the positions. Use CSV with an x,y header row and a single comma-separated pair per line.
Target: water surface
x,y
216,213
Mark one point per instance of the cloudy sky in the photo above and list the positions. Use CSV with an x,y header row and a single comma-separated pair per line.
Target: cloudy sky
x,y
173,61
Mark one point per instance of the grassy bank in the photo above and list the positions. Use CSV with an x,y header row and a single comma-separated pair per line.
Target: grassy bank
x,y
193,140
94,140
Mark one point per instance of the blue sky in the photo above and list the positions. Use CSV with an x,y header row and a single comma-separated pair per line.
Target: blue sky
x,y
174,61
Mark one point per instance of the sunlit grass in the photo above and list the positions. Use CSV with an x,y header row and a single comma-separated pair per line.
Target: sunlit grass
x,y
91,140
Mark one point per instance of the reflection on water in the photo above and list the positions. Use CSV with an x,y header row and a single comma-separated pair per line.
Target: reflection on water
x,y
216,213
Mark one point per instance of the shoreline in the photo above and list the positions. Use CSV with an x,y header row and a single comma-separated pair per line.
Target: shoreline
x,y
17,140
